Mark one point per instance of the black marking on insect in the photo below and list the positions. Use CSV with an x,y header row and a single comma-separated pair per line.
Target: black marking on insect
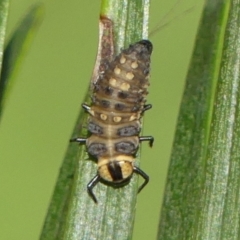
x,y
118,103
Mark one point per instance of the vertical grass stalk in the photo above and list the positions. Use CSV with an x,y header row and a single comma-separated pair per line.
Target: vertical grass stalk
x,y
72,213
202,191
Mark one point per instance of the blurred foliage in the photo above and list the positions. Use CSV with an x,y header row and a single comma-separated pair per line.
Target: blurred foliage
x,y
202,193
16,48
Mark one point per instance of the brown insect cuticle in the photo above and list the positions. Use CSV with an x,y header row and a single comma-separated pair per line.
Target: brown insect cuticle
x,y
108,91
122,94
118,104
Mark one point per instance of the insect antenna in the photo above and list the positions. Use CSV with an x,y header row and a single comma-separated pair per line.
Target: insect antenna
x,y
164,22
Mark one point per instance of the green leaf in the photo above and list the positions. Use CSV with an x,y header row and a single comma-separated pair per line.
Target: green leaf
x,y
202,191
72,213
16,50
4,5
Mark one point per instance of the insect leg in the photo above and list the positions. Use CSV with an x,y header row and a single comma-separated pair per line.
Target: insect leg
x,y
86,107
144,176
146,107
150,139
91,185
80,140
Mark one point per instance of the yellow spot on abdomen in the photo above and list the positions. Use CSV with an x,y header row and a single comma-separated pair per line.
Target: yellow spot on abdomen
x,y
134,65
113,82
125,86
117,70
117,119
133,117
122,60
129,76
103,116
91,112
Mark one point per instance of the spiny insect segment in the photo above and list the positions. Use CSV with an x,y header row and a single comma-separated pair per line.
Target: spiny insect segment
x,y
118,103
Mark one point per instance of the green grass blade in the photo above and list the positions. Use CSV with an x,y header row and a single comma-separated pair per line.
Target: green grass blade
x,y
202,191
16,49
72,213
4,6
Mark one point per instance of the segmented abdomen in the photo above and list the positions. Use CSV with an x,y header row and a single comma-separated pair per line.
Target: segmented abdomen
x,y
118,103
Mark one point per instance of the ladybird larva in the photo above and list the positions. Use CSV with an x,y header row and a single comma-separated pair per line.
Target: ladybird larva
x,y
118,103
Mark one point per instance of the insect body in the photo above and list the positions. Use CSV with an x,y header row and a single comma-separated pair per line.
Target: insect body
x,y
118,103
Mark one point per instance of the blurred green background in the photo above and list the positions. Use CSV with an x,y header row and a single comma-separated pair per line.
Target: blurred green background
x,y
49,89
